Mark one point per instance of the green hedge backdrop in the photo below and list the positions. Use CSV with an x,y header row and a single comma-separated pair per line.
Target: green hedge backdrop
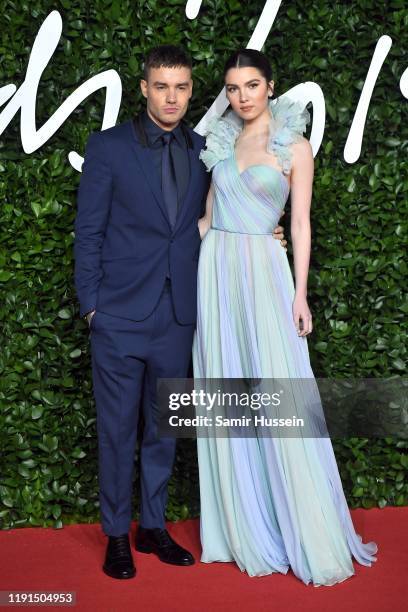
x,y
48,469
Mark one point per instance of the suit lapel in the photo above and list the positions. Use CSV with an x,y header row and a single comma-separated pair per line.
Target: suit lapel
x,y
194,165
145,159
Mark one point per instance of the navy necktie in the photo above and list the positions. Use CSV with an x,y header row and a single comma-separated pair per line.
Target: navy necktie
x,y
169,184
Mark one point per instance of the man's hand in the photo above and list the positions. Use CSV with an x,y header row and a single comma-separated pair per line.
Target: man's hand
x,y
279,235
89,317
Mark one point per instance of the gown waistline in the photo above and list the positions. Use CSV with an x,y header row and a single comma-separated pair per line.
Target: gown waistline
x,y
217,229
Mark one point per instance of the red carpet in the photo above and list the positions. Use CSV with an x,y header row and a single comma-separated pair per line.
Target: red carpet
x,y
69,559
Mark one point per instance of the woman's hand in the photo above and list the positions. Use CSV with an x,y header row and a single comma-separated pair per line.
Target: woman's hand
x,y
302,316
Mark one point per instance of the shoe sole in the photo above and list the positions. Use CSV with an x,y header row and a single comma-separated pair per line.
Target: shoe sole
x,y
148,551
111,575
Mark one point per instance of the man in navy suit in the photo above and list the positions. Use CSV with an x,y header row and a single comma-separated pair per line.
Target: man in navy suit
x,y
142,192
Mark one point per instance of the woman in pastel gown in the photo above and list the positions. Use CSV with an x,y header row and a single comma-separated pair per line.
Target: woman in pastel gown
x,y
268,503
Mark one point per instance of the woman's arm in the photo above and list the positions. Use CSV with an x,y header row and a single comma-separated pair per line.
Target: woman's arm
x,y
301,197
204,223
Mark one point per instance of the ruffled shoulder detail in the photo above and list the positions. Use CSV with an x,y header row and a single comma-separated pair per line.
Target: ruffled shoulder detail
x,y
221,135
290,119
288,122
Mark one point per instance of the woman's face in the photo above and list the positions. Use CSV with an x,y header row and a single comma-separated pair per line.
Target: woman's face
x,y
247,91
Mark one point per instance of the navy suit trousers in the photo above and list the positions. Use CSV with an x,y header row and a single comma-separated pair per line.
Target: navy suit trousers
x,y
127,359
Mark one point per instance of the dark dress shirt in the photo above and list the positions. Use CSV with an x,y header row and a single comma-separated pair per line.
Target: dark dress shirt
x,y
179,151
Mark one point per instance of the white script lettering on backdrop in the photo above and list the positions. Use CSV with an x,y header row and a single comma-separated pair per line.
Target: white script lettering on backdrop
x,y
46,41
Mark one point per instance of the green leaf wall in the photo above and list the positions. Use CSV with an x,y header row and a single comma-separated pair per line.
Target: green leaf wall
x,y
48,467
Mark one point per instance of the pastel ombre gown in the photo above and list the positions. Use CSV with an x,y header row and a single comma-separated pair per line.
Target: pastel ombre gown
x,y
267,503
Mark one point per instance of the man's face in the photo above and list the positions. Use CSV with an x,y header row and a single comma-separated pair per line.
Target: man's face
x,y
168,91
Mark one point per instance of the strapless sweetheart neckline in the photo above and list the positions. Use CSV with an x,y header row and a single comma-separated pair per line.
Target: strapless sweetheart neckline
x,y
242,172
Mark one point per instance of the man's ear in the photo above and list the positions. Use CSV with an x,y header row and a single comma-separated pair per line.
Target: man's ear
x,y
143,87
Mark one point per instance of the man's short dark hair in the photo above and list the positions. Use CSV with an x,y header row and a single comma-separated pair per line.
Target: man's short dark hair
x,y
169,56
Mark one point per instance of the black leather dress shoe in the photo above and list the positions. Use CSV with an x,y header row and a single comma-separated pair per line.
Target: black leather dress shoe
x,y
119,561
159,541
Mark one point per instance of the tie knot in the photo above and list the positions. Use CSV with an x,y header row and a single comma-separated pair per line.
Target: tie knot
x,y
167,137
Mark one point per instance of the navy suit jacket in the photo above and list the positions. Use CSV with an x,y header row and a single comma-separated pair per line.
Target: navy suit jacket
x,y
123,237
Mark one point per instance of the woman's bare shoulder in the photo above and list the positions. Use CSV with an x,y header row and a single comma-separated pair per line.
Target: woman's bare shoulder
x,y
302,150
302,146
